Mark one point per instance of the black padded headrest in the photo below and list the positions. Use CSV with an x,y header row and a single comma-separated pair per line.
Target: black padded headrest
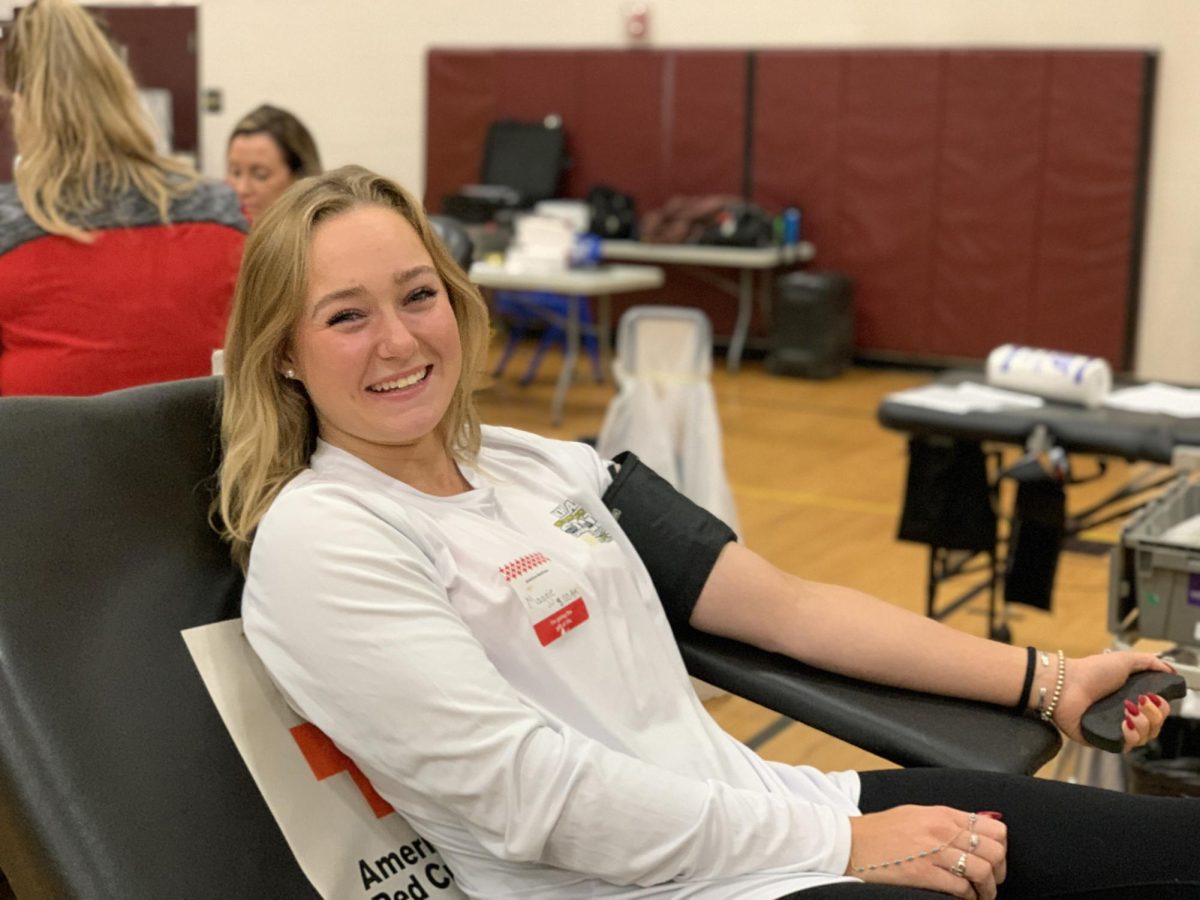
x,y
117,776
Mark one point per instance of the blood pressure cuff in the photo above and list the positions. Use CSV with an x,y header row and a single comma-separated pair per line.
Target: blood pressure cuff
x,y
678,541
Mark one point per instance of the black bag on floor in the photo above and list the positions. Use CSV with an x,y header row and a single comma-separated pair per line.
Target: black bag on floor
x,y
1038,527
947,499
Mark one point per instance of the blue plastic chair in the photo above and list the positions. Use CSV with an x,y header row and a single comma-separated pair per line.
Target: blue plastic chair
x,y
522,309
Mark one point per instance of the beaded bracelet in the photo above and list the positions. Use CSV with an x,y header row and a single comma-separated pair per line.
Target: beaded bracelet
x,y
858,870
1048,712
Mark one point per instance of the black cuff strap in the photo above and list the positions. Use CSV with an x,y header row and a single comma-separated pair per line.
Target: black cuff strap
x,y
678,541
1028,687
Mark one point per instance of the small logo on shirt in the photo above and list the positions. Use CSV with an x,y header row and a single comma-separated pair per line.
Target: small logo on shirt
x,y
576,521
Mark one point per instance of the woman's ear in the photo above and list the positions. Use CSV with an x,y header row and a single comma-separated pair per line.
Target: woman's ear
x,y
287,366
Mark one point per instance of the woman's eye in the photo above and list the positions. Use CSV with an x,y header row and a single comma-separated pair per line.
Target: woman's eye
x,y
342,315
420,294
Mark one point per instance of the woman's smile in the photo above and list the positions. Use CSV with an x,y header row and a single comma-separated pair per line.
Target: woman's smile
x,y
401,383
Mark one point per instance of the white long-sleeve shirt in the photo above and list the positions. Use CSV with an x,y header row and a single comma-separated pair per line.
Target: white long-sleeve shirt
x,y
403,626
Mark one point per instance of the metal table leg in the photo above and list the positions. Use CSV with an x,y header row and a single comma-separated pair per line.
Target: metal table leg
x,y
742,326
569,358
765,300
604,332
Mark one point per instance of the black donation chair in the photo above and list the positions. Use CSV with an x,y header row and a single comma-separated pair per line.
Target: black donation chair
x,y
118,778
523,163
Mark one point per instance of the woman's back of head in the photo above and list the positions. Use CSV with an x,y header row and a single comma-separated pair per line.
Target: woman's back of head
x,y
80,129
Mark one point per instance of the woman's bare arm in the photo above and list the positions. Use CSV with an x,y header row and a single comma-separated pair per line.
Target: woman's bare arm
x,y
853,633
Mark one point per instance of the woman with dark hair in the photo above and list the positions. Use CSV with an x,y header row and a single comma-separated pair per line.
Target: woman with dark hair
x,y
117,263
268,150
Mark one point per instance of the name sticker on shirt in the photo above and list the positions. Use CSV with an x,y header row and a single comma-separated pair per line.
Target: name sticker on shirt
x,y
551,597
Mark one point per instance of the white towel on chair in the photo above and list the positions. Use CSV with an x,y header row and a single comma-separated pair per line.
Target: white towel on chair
x,y
671,424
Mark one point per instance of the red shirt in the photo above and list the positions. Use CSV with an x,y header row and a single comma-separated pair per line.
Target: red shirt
x,y
141,303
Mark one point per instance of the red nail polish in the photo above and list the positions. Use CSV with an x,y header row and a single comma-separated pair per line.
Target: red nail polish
x,y
1129,724
1158,701
992,815
1141,699
1131,708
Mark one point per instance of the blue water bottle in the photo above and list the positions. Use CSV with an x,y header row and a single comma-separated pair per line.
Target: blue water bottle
x,y
791,226
585,251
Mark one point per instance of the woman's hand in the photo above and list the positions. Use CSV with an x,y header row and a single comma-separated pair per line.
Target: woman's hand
x,y
1093,677
906,832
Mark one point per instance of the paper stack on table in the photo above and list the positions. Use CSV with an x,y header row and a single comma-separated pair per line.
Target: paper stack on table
x,y
966,397
540,244
1156,397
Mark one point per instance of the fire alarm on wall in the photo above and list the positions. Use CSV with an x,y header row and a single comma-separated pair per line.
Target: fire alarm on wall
x,y
637,21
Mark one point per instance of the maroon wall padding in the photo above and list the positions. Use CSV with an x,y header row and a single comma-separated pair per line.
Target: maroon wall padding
x,y
703,150
688,137
460,103
797,137
973,196
890,111
1083,256
161,42
704,123
532,85
615,127
988,201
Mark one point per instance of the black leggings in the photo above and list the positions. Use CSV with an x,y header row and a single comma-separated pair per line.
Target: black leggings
x,y
1064,840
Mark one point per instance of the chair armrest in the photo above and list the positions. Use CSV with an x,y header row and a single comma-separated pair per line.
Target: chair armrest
x,y
906,727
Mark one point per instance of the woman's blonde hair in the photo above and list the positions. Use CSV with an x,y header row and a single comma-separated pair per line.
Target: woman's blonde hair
x,y
79,126
295,143
268,425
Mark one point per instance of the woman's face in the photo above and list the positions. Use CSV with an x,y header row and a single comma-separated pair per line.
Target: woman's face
x,y
377,345
257,171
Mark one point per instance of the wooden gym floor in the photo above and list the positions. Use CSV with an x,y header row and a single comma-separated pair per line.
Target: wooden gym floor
x,y
818,485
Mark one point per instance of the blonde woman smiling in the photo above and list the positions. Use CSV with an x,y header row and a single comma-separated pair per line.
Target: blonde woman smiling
x,y
513,687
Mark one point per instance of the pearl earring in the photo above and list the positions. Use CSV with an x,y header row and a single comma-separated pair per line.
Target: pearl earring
x,y
290,373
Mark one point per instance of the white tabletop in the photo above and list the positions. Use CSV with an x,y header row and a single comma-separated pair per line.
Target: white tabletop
x,y
708,254
585,282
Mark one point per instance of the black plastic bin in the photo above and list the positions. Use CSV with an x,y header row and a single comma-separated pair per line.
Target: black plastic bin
x,y
1168,766
813,331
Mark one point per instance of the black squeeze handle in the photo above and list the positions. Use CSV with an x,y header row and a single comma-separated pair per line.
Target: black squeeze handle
x,y
1102,721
